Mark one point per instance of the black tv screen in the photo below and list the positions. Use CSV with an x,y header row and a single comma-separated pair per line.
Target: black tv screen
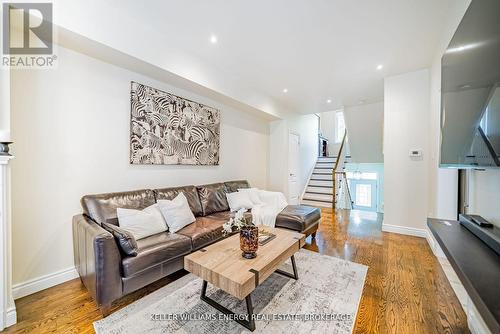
x,y
470,90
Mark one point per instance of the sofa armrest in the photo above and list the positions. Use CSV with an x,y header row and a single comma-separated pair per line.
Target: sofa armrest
x,y
97,259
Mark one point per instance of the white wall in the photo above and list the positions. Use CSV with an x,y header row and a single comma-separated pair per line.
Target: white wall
x,y
4,99
71,131
306,126
406,122
328,126
278,156
365,124
4,105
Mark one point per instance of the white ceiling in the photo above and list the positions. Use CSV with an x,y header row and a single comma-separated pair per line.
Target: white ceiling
x,y
317,49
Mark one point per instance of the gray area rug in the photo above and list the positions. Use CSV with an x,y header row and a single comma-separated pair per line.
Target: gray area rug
x,y
325,299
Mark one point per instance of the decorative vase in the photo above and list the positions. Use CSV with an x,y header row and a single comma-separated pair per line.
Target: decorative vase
x,y
249,241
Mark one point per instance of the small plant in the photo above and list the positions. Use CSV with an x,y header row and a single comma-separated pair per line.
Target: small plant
x,y
235,223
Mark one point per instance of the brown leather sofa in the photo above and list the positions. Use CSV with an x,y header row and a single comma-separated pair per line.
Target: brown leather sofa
x,y
110,274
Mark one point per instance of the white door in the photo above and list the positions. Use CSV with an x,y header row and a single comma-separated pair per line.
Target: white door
x,y
293,168
364,194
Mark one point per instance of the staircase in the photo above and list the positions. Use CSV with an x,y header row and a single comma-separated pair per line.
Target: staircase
x,y
319,191
328,186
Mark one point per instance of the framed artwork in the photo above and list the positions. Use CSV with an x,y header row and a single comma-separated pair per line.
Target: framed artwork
x,y
166,129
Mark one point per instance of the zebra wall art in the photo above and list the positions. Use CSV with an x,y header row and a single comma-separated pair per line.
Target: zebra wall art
x,y
166,129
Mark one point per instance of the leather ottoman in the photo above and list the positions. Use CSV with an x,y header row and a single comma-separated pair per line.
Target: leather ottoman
x,y
300,218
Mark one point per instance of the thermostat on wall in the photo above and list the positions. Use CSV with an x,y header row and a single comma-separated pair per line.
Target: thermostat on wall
x,y
415,153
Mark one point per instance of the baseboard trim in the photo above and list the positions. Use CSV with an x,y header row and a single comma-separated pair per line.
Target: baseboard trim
x,y
416,232
43,282
431,241
11,317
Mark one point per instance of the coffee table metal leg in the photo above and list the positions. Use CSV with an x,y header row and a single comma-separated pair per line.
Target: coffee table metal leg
x,y
250,323
251,320
295,275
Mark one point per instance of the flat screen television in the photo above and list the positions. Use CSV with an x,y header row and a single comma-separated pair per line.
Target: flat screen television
x,y
470,90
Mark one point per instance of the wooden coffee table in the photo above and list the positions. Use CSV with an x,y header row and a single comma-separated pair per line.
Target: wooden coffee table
x,y
222,265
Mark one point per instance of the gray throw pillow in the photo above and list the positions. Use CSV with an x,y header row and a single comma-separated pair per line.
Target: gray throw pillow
x,y
125,239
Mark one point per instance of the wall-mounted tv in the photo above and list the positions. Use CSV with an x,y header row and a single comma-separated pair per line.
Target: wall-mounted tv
x,y
470,90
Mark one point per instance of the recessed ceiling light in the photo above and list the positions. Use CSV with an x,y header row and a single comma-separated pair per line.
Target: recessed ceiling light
x,y
328,101
379,67
213,39
361,101
285,90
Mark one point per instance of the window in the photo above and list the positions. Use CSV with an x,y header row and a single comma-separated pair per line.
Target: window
x,y
340,127
363,195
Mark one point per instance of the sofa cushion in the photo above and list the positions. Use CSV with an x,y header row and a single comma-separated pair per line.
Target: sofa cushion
x,y
154,250
213,198
226,215
190,192
103,206
204,231
233,186
298,217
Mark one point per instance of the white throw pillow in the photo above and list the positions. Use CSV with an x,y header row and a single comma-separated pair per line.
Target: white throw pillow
x,y
239,200
141,223
253,193
176,212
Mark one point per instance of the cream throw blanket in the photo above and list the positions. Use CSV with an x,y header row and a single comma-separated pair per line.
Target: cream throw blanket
x,y
272,204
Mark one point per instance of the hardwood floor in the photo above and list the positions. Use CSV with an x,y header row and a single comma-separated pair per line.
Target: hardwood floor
x,y
406,291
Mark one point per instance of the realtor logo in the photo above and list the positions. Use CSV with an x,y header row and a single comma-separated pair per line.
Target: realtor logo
x,y
27,35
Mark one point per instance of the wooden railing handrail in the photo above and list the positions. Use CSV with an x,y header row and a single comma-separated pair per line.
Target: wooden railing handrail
x,y
340,151
335,171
